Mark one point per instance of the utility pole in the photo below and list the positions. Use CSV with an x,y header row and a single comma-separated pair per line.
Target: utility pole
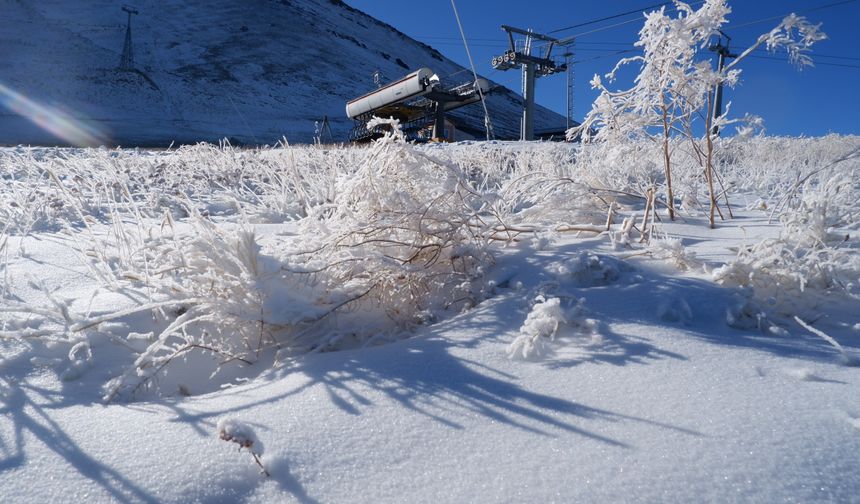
x,y
567,64
126,61
532,68
528,70
723,52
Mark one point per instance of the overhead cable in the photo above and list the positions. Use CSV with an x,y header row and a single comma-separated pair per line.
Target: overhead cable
x,y
487,123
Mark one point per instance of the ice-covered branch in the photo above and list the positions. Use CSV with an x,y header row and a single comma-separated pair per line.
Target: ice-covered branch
x,y
795,34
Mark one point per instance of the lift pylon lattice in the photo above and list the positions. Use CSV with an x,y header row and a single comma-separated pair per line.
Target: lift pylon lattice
x,y
532,67
126,61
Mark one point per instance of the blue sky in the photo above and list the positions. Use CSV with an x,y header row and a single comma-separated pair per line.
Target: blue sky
x,y
814,101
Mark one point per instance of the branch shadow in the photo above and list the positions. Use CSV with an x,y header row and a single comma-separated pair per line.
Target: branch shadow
x,y
427,376
637,295
280,471
708,303
29,416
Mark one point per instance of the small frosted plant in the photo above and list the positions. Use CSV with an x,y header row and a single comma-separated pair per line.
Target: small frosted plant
x,y
230,429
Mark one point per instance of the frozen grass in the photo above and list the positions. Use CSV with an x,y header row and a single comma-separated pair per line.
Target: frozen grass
x,y
388,237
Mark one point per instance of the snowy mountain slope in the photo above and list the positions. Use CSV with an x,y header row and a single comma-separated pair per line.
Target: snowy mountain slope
x,y
253,71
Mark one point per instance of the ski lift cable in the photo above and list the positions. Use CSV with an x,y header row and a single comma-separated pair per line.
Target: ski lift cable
x,y
743,25
771,18
802,11
622,23
602,28
614,16
817,63
487,124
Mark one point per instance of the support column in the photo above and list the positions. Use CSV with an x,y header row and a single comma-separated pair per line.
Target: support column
x,y
439,123
528,130
718,98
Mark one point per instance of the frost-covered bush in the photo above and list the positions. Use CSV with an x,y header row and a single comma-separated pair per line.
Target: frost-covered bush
x,y
45,188
815,255
407,234
383,239
672,250
674,84
590,270
744,312
547,317
399,238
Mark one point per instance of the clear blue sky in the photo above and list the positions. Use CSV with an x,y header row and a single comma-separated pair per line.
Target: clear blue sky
x,y
814,101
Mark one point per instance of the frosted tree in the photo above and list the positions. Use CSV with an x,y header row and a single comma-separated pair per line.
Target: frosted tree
x,y
673,86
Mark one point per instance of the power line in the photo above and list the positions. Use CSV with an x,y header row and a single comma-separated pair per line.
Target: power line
x,y
593,21
812,54
803,11
749,23
615,16
634,20
816,55
583,49
616,53
487,124
433,37
824,63
496,42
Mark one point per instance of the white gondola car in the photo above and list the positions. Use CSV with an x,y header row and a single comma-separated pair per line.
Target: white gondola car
x,y
418,83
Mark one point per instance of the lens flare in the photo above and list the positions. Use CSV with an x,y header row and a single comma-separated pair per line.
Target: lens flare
x,y
55,121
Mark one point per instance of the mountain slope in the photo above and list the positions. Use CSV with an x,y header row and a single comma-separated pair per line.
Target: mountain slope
x,y
253,71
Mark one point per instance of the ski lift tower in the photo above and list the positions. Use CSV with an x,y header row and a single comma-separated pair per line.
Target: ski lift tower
x,y
126,61
532,68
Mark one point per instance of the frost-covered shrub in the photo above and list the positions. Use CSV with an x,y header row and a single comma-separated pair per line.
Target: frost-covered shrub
x,y
391,236
672,250
545,320
46,188
398,239
589,270
744,312
771,167
405,235
815,255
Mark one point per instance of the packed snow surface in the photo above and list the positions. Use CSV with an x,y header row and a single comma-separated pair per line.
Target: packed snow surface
x,y
427,324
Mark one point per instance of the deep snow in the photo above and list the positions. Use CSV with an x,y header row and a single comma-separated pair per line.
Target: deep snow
x,y
656,399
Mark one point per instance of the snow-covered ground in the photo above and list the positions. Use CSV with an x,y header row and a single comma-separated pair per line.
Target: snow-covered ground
x,y
531,355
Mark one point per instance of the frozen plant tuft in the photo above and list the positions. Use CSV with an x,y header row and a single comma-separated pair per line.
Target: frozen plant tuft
x,y
80,359
232,430
590,270
542,325
745,313
675,309
673,251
